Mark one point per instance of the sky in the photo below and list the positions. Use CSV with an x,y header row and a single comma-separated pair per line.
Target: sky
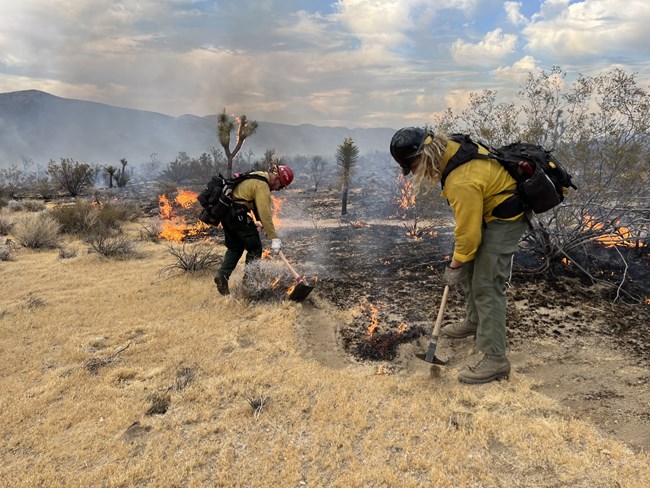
x,y
351,63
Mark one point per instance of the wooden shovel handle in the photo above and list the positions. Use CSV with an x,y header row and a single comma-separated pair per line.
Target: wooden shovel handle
x,y
441,313
295,275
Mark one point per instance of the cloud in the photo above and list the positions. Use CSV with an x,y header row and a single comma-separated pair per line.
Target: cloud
x,y
489,51
519,70
594,28
514,15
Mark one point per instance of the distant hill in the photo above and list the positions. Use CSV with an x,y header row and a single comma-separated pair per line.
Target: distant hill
x,y
42,126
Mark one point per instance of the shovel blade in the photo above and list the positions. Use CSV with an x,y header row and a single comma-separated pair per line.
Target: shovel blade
x,y
430,356
300,292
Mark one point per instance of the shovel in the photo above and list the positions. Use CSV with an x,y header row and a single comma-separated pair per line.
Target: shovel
x,y
301,289
430,356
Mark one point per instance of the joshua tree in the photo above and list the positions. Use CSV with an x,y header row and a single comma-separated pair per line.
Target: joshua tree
x,y
110,171
347,156
225,126
122,176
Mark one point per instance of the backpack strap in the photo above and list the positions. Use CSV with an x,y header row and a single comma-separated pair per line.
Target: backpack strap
x,y
467,151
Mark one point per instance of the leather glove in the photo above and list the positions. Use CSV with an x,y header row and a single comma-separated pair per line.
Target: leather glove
x,y
276,245
452,276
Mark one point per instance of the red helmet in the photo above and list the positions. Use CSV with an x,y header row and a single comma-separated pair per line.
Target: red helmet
x,y
286,174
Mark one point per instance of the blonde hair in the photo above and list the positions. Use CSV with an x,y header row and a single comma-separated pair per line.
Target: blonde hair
x,y
428,172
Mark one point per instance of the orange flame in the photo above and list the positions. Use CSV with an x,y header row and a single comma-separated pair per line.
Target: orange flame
x,y
291,288
276,206
402,328
174,227
622,236
186,198
266,253
373,311
647,301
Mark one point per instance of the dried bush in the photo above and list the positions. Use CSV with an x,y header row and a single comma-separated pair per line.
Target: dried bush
x,y
33,205
264,281
5,226
84,218
3,202
14,206
38,231
150,233
113,246
120,210
67,253
192,258
6,254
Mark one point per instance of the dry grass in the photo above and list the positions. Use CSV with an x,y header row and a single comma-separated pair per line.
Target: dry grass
x,y
194,389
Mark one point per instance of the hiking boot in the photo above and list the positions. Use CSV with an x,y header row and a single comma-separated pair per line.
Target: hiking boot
x,y
488,369
460,331
222,283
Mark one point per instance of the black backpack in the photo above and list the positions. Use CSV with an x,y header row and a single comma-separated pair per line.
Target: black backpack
x,y
216,198
541,180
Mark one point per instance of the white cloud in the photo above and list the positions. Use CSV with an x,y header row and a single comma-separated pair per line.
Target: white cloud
x,y
514,15
518,71
489,51
597,28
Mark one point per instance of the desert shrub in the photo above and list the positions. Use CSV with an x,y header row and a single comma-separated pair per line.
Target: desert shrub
x,y
5,226
38,231
264,281
6,254
120,210
191,258
112,246
33,205
149,233
67,253
71,176
14,206
85,218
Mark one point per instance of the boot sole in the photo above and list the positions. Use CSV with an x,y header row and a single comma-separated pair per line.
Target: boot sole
x,y
222,286
463,336
472,381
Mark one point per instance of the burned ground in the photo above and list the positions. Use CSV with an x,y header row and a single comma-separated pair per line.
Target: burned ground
x,y
586,343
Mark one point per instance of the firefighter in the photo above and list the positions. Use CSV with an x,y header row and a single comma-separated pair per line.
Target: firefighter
x,y
484,245
241,231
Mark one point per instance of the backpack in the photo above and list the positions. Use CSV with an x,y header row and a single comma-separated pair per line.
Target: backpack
x,y
216,198
541,180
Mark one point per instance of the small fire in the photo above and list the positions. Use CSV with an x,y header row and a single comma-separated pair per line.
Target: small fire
x,y
275,283
186,198
276,206
566,261
174,227
407,199
290,290
266,253
372,310
647,301
403,327
622,236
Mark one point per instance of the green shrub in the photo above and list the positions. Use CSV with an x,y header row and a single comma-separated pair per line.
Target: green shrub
x,y
38,231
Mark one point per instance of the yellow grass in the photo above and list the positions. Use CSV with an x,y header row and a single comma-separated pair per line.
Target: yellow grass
x,y
63,425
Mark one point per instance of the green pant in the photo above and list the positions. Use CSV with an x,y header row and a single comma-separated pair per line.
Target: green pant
x,y
241,235
484,283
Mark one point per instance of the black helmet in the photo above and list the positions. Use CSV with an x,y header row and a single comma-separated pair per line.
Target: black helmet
x,y
405,146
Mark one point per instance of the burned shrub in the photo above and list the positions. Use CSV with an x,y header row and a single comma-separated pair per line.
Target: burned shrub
x,y
192,258
39,231
6,254
264,280
150,233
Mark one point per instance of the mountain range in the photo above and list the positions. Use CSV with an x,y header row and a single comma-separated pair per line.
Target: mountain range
x,y
41,126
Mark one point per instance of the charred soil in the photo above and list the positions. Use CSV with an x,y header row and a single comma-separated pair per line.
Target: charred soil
x,y
379,288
